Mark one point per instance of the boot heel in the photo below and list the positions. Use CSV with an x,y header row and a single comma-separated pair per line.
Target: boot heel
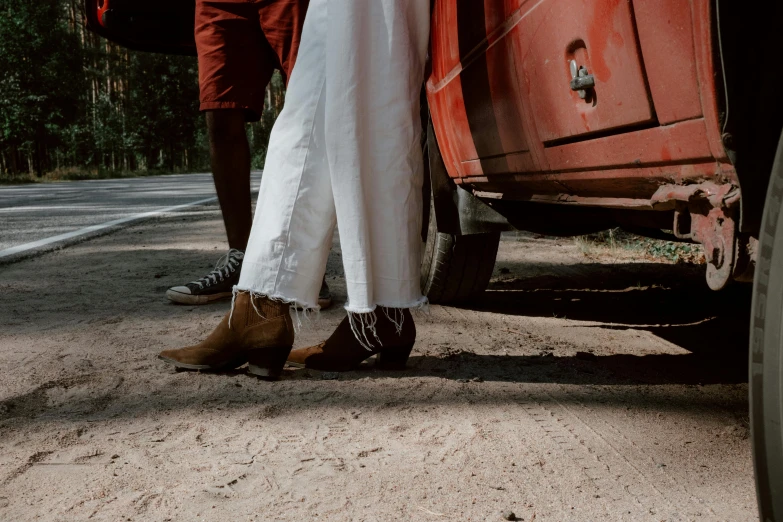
x,y
268,362
394,358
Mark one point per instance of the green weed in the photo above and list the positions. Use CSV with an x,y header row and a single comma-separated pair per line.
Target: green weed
x,y
618,241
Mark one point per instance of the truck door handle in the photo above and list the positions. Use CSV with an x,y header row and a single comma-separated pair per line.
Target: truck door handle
x,y
581,80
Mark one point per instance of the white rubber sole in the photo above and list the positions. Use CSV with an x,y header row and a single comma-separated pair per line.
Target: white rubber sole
x,y
258,371
190,299
203,367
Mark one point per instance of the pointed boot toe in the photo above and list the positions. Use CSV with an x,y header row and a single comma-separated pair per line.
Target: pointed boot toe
x,y
189,358
299,357
258,331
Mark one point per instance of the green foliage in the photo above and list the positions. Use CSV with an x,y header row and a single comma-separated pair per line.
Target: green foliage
x,y
74,104
163,115
258,132
40,86
674,252
617,239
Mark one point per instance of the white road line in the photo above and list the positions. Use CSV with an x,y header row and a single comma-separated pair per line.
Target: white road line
x,y
94,228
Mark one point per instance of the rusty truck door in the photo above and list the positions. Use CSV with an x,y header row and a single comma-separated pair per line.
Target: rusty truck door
x,y
503,85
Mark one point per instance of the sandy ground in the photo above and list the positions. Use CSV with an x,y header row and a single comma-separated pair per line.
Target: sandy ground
x,y
578,388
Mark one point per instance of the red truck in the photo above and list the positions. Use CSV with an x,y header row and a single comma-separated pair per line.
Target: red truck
x,y
566,117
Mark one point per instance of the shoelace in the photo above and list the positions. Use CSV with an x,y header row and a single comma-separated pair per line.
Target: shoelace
x,y
225,266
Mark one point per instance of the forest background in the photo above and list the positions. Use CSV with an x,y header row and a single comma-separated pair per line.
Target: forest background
x,y
76,106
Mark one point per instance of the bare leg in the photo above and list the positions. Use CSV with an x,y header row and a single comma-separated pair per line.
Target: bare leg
x,y
230,158
230,155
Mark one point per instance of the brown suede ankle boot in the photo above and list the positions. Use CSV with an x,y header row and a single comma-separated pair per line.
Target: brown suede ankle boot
x,y
343,352
262,338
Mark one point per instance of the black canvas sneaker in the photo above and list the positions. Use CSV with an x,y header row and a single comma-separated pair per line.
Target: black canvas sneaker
x,y
218,284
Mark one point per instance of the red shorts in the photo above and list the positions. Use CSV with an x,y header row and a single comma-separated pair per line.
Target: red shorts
x,y
240,44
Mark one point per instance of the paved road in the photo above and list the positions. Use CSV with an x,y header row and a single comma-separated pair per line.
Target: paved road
x,y
37,213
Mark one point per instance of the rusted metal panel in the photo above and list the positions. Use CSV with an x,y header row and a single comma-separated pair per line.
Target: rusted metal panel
x,y
451,125
500,14
717,195
485,117
472,168
506,100
443,41
513,118
686,140
598,35
628,182
514,39
716,231
474,87
706,214
586,201
705,68
502,103
444,91
665,30
519,162
486,108
494,132
667,197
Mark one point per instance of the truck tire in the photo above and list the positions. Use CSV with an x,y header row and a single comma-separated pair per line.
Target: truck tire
x,y
766,352
456,269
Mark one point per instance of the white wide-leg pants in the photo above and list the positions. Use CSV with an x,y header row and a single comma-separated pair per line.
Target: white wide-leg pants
x,y
346,151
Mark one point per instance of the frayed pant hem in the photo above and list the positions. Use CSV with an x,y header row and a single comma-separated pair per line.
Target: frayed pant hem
x,y
363,321
302,311
422,304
